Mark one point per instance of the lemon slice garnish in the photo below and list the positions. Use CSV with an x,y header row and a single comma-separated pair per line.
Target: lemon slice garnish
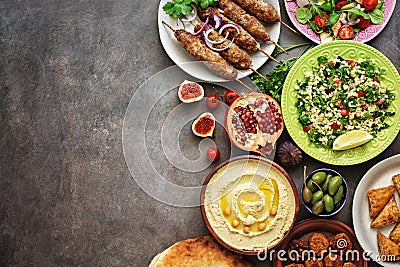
x,y
351,139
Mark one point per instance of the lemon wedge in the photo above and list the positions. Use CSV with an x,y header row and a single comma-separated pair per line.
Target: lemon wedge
x,y
351,139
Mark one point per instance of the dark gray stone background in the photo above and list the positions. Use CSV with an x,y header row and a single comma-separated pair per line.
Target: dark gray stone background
x,y
68,71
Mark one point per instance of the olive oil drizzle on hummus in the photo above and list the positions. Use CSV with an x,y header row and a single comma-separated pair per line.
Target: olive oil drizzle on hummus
x,y
271,202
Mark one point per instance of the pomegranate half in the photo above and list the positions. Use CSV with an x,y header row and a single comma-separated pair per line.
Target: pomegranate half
x,y
254,122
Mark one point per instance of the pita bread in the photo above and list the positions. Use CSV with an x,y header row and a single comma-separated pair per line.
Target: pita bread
x,y
395,234
396,181
377,199
388,250
198,252
389,214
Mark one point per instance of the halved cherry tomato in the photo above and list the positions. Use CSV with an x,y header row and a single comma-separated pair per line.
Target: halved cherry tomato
x,y
231,96
340,4
370,4
338,83
335,126
376,79
361,93
331,63
320,21
346,32
212,154
340,104
364,23
351,62
344,112
308,127
213,101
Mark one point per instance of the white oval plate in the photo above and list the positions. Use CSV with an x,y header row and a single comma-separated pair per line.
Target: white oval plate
x,y
378,176
179,55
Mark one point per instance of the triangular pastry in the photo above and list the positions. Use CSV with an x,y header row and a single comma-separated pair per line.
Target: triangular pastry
x,y
388,250
377,199
396,181
389,214
395,234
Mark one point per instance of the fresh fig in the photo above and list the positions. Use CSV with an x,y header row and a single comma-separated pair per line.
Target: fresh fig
x,y
289,154
190,92
204,125
254,122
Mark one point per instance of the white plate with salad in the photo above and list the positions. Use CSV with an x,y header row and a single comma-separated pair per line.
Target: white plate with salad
x,y
189,64
326,20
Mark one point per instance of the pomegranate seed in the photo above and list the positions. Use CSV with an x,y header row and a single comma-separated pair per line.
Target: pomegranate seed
x,y
253,130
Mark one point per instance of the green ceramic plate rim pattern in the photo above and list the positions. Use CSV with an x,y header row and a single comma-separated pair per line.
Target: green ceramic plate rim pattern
x,y
348,50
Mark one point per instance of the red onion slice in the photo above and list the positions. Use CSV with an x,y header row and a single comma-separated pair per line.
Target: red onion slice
x,y
228,26
211,41
219,49
194,15
202,28
217,20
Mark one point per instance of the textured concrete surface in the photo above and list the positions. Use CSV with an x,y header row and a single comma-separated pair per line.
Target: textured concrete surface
x,y
68,70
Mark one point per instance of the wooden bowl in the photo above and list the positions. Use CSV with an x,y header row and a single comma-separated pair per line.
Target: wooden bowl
x,y
329,227
210,228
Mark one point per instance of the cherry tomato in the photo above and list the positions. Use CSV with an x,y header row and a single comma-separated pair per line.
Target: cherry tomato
x,y
231,96
381,100
346,32
335,126
351,62
213,101
344,112
308,127
340,4
340,104
331,63
376,79
364,23
320,21
370,4
361,93
338,83
212,154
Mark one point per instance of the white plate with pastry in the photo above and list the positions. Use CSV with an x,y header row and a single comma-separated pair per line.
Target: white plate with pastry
x,y
374,197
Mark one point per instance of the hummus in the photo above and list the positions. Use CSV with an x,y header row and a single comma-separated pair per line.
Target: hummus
x,y
249,204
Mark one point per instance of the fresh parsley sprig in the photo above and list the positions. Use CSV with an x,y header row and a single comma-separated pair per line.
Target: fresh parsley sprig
x,y
178,8
276,78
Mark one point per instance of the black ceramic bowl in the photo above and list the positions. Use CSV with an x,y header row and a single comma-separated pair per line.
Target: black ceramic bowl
x,y
338,206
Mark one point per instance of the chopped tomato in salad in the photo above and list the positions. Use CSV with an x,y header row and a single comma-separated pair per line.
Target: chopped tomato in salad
x,y
340,19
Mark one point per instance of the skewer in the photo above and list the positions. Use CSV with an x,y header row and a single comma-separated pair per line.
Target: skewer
x,y
269,56
169,26
245,85
258,73
279,46
287,26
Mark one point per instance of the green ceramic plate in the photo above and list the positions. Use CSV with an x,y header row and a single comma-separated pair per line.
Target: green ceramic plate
x,y
348,50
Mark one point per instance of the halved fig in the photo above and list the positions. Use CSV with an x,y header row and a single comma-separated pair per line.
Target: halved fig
x,y
204,125
189,92
254,122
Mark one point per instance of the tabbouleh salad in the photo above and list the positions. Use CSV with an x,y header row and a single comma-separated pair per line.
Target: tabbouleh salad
x,y
341,95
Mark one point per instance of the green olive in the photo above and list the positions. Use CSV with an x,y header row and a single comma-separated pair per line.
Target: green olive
x,y
328,203
307,195
312,186
319,177
334,184
339,194
316,197
318,207
326,183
